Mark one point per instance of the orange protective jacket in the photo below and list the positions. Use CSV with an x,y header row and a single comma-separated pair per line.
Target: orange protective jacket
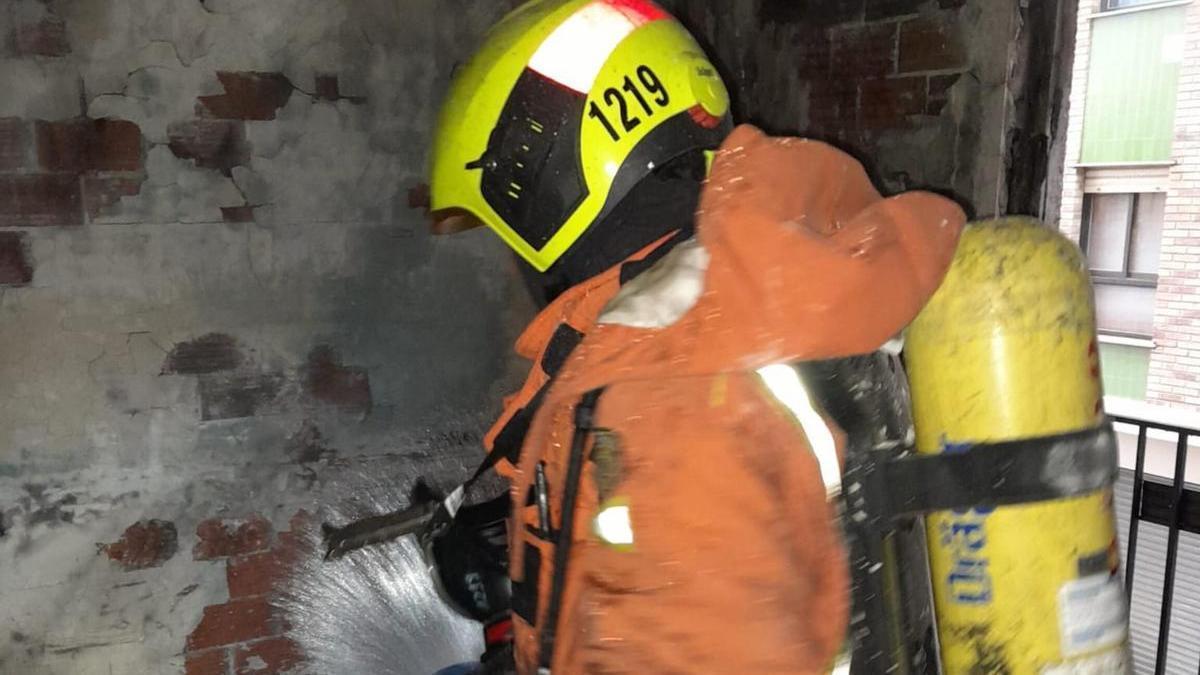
x,y
736,563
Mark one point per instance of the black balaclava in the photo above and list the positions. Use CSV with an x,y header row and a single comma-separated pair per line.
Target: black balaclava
x,y
663,202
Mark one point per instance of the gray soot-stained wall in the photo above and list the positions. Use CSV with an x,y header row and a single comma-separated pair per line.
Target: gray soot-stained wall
x,y
222,320
216,304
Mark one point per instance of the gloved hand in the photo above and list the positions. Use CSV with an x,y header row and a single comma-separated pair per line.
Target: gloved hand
x,y
471,560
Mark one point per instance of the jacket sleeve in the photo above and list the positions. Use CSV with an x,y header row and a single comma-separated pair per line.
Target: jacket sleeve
x,y
799,237
736,560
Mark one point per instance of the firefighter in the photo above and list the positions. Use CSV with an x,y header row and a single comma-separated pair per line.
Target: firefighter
x,y
670,485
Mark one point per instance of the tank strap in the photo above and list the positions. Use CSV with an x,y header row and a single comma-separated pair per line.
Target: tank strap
x,y
584,426
886,489
990,474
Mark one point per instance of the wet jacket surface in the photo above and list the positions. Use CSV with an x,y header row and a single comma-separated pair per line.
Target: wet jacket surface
x,y
735,563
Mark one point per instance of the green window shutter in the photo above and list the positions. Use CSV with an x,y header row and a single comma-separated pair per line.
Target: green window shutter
x,y
1124,369
1133,78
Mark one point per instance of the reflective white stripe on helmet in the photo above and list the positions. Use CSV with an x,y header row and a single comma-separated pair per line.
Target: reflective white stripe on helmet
x,y
788,388
575,52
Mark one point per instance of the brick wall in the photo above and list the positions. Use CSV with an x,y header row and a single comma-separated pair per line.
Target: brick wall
x,y
1175,361
916,88
247,634
217,307
1071,211
59,171
216,302
1174,373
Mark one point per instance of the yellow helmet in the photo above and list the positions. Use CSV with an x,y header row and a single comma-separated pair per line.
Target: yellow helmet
x,y
564,109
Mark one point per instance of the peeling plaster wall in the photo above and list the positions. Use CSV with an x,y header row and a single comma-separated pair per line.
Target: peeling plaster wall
x,y
222,322
215,299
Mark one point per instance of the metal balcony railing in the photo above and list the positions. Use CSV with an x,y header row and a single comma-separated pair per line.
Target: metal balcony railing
x,y
1171,503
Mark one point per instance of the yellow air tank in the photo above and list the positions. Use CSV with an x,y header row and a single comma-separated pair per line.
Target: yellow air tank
x,y
1006,350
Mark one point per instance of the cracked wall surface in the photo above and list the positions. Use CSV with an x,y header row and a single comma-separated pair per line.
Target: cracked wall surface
x,y
222,320
215,299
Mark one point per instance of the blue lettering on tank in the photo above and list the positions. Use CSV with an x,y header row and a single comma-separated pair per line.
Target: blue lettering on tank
x,y
969,580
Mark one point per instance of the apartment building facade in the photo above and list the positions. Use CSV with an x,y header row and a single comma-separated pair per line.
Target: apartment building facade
x,y
1131,194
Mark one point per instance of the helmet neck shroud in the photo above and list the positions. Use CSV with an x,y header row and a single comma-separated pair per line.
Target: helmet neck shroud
x,y
664,201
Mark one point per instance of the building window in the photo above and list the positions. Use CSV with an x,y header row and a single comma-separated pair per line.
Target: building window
x,y
1110,5
1125,369
1122,234
1132,85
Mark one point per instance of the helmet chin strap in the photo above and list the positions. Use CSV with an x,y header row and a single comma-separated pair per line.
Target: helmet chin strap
x,y
662,203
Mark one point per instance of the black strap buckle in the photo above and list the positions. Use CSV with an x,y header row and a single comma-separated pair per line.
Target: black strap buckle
x,y
984,474
585,412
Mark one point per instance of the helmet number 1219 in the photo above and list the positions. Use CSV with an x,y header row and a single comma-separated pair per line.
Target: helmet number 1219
x,y
615,101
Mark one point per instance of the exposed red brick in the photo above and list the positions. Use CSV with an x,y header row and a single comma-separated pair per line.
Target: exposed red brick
x,y
206,354
931,43
328,381
887,103
84,144
227,396
248,620
939,93
292,548
214,662
418,196
40,200
220,538
114,145
864,51
47,37
267,657
12,143
248,96
257,574
15,269
63,146
211,144
238,214
231,623
102,193
145,544
254,574
327,87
